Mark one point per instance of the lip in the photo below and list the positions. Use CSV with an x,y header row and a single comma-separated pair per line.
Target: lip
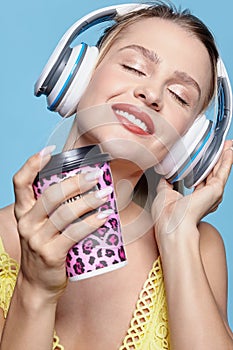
x,y
138,114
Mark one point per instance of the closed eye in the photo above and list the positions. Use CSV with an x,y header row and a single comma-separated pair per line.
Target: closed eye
x,y
179,99
133,70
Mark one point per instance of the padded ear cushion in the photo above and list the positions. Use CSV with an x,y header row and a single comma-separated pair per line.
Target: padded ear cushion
x,y
187,151
74,79
207,161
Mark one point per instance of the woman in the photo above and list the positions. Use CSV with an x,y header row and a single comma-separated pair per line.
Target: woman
x,y
140,64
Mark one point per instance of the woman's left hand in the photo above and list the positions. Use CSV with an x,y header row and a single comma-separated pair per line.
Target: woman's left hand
x,y
171,209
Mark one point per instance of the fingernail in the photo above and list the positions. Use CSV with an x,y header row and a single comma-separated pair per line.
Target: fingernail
x,y
47,150
104,192
93,175
105,213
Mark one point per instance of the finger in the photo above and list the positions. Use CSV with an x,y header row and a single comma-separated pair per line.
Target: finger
x,y
81,229
205,199
200,185
224,169
163,185
227,146
217,168
70,212
165,196
23,179
66,191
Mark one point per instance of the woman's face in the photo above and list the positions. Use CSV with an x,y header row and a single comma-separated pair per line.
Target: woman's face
x,y
162,69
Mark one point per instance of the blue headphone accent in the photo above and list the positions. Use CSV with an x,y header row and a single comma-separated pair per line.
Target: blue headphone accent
x,y
219,130
70,78
192,158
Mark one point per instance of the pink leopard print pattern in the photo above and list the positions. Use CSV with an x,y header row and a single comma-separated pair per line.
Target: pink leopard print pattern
x,y
103,247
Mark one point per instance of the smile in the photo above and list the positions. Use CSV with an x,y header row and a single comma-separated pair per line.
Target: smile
x,y
133,119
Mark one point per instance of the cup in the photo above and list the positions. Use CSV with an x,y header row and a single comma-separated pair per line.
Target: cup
x,y
102,250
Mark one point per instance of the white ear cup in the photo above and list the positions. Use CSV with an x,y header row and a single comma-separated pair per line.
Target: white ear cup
x,y
73,81
185,153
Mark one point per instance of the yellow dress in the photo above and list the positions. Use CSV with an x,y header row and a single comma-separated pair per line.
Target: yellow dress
x,y
148,328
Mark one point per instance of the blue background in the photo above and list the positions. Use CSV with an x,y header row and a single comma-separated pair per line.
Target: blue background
x,y
29,32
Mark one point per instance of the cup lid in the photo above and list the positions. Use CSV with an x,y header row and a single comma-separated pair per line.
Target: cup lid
x,y
74,158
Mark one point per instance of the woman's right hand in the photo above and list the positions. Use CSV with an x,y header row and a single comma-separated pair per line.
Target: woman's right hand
x,y
48,227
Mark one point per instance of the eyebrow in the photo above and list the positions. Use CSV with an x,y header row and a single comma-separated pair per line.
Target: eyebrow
x,y
188,80
148,54
153,57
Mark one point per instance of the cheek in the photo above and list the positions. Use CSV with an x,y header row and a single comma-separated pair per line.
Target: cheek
x,y
102,87
181,126
178,118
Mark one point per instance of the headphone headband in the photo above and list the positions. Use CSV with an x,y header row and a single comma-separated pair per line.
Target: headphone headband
x,y
98,16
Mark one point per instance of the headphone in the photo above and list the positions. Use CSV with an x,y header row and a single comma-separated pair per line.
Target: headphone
x,y
68,72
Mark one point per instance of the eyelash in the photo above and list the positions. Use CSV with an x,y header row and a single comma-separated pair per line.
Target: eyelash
x,y
179,99
133,70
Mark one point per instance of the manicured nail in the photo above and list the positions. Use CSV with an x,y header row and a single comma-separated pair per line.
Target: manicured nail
x,y
93,175
105,213
104,192
47,150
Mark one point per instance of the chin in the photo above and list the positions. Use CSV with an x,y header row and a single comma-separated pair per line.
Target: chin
x,y
130,151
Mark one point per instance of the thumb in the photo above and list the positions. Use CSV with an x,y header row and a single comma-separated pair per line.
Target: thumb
x,y
163,185
161,198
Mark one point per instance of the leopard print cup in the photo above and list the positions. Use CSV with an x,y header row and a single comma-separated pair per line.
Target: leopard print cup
x,y
102,250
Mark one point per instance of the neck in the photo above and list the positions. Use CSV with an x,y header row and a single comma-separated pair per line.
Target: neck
x,y
125,177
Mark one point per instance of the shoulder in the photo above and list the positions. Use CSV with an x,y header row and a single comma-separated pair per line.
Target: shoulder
x,y
213,256
211,242
8,232
210,238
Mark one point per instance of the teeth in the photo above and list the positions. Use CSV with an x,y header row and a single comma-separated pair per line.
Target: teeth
x,y
132,119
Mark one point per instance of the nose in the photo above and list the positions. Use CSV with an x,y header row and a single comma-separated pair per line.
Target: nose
x,y
149,96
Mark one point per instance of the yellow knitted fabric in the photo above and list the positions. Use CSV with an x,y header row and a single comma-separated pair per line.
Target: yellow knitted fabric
x,y
149,326
56,343
8,274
